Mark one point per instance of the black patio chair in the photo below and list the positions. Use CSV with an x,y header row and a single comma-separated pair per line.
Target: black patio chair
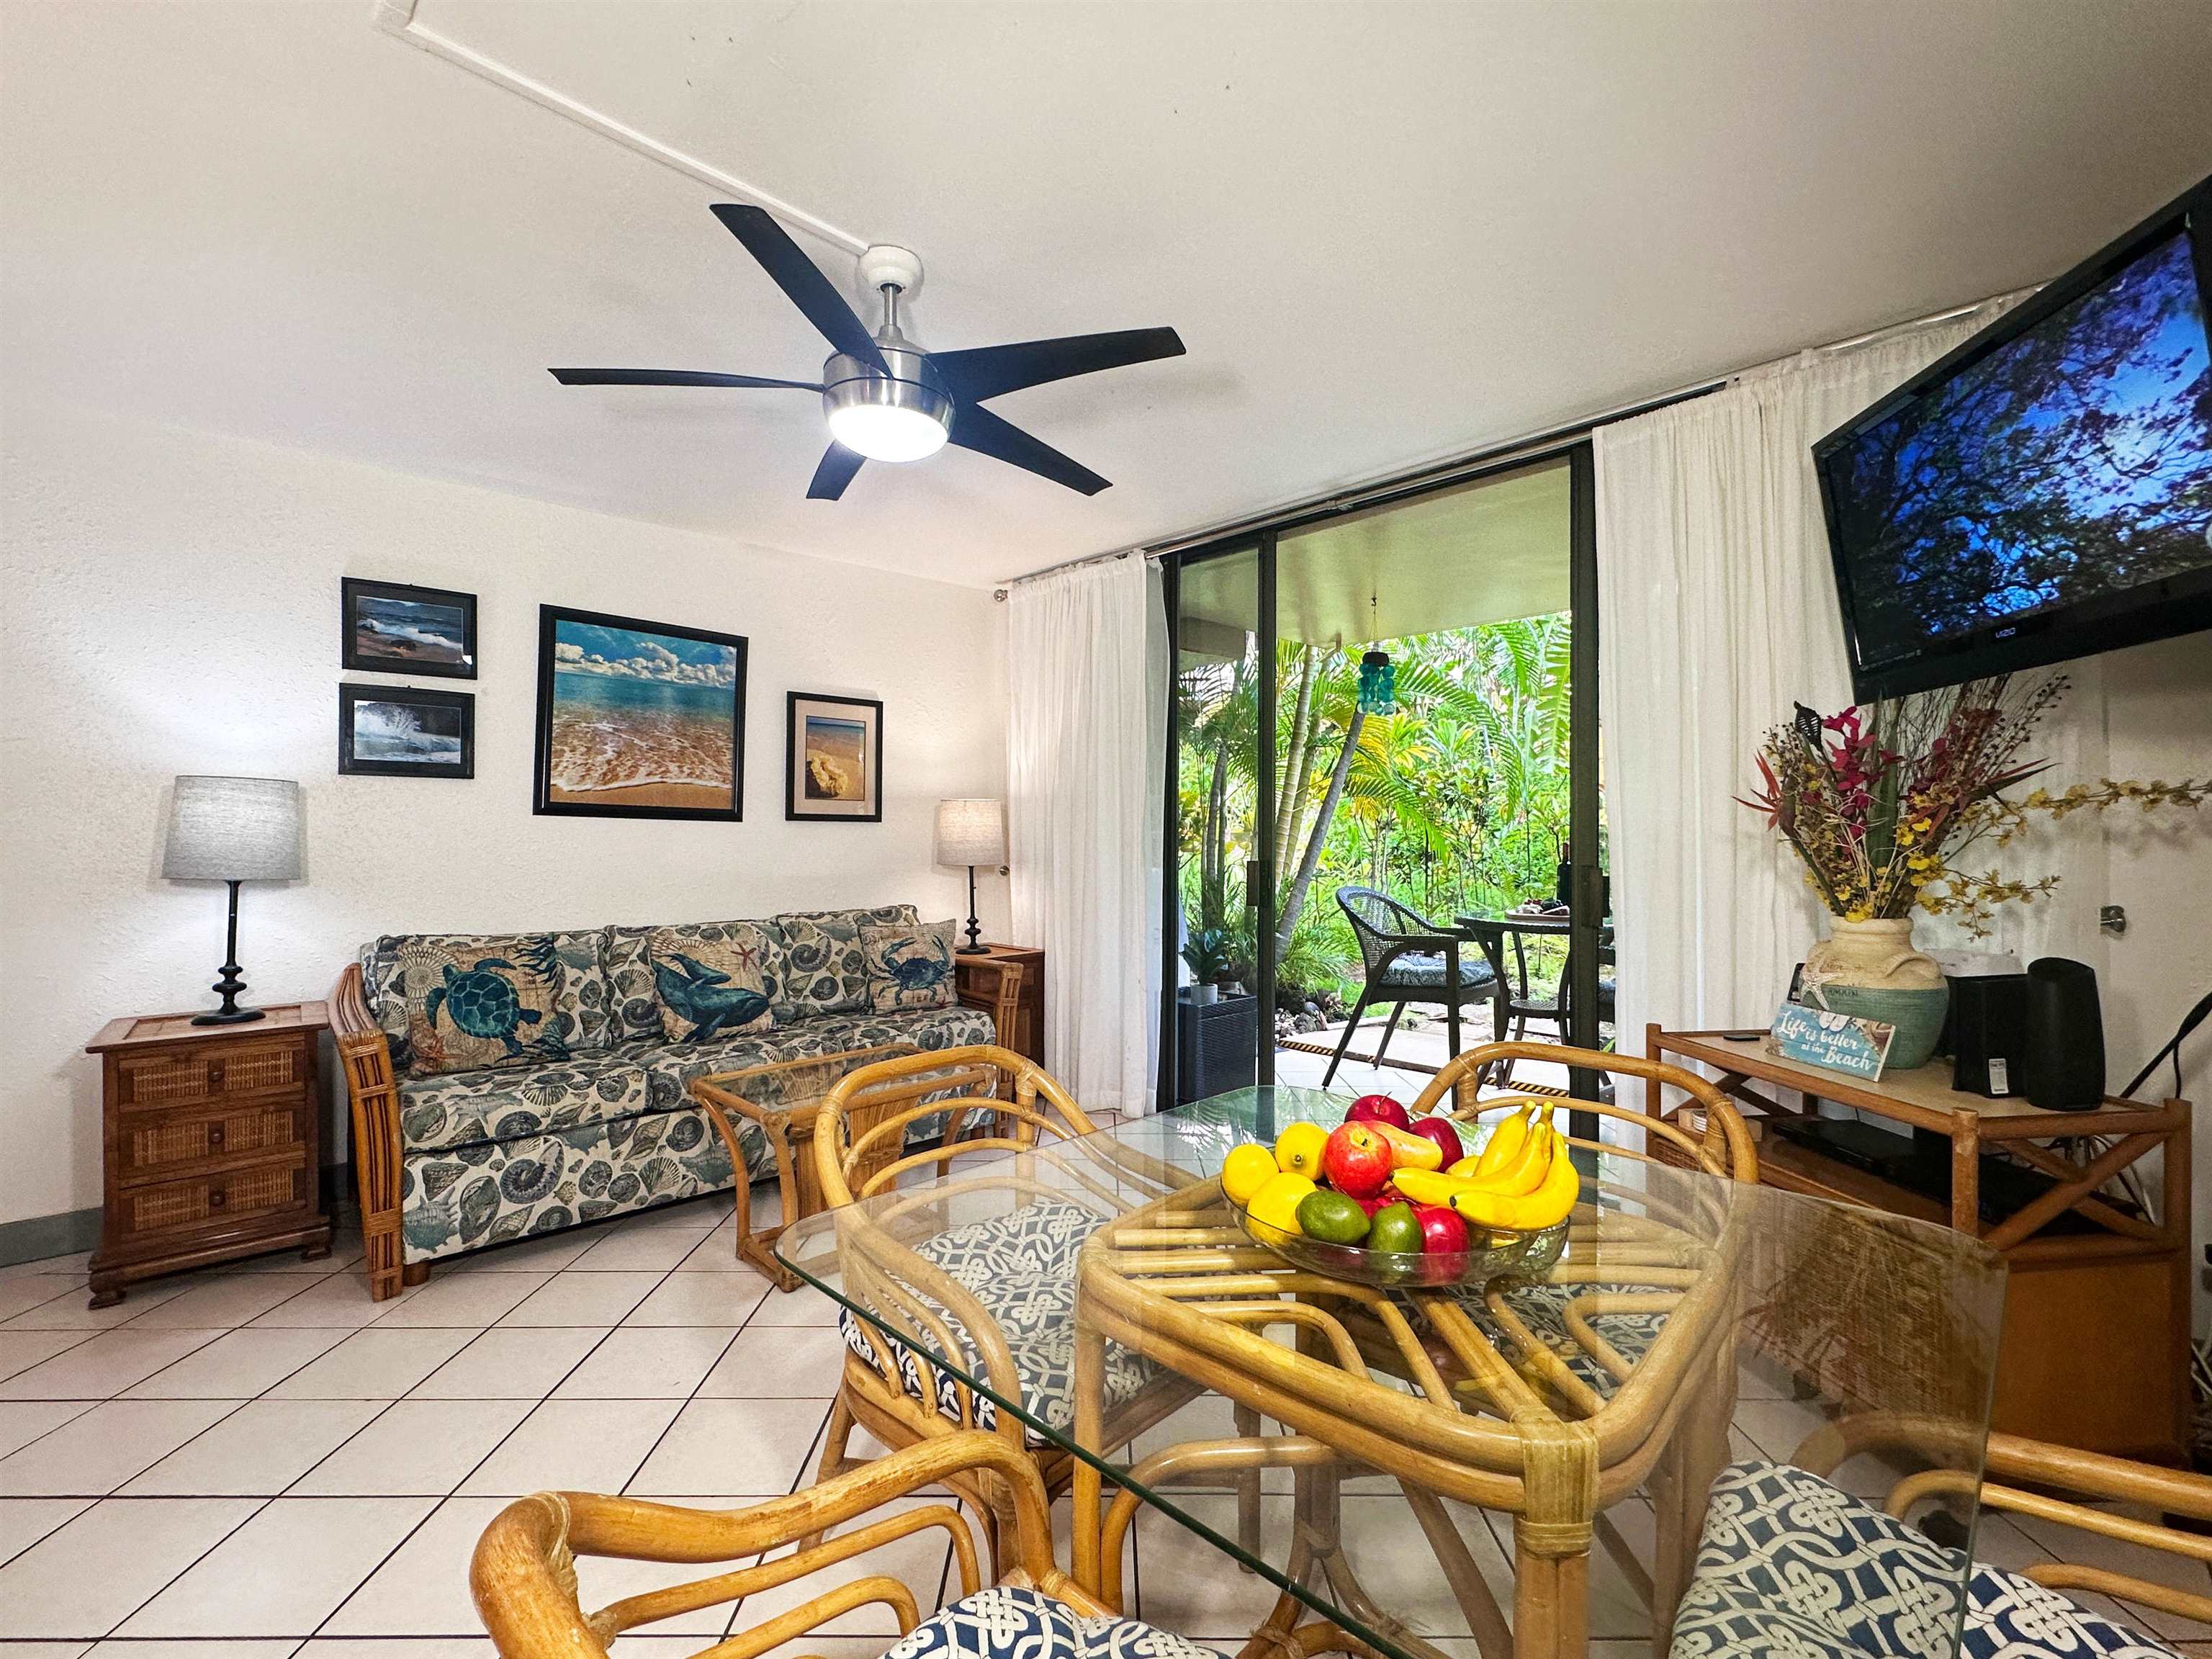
x,y
1408,958
1518,1001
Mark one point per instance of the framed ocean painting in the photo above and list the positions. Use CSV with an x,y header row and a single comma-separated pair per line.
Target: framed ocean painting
x,y
638,720
392,628
404,732
833,759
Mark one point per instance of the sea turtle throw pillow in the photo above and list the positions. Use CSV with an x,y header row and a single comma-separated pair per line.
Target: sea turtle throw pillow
x,y
715,978
909,963
483,1000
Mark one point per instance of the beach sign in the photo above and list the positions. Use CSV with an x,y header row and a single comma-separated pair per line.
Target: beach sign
x,y
1835,1043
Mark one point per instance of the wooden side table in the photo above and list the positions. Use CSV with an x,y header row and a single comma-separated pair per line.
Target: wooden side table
x,y
2095,1348
1008,981
212,1135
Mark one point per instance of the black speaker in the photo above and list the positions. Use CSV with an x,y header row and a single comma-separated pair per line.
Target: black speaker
x,y
2062,1063
1988,1024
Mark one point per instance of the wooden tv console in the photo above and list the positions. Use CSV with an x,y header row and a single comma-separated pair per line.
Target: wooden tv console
x,y
2095,1346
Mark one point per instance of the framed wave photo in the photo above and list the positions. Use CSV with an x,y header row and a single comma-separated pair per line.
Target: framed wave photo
x,y
405,731
392,628
834,758
638,720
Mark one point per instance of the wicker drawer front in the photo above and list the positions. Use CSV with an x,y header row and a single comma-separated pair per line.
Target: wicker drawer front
x,y
151,1147
238,1194
178,1080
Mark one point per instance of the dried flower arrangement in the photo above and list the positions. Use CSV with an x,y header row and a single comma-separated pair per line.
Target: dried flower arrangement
x,y
1881,802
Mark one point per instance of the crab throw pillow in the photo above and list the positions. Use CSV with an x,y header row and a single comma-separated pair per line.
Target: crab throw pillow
x,y
715,978
909,963
473,1001
825,970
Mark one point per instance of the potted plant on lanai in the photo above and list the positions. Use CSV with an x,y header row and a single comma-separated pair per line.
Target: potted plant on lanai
x,y
1206,953
1881,802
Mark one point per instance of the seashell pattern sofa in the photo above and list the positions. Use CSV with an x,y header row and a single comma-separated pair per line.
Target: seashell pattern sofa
x,y
505,1087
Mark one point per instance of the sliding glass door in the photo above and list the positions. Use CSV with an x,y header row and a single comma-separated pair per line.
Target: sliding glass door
x,y
1219,1023
1399,697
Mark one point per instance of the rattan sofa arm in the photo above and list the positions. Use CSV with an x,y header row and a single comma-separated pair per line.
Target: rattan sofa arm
x,y
365,1056
1003,1003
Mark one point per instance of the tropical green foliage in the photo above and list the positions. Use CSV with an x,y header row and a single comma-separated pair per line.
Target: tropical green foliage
x,y
1458,801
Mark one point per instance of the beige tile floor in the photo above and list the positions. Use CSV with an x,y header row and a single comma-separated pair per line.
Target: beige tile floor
x,y
260,1463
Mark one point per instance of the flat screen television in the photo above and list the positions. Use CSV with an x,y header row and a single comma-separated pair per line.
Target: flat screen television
x,y
2044,491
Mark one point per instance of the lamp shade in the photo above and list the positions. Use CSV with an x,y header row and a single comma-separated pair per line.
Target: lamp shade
x,y
971,832
234,829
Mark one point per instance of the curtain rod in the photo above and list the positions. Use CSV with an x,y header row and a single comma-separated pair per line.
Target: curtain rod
x,y
1442,474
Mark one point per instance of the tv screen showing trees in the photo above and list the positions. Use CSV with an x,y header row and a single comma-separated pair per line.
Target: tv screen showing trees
x,y
2061,469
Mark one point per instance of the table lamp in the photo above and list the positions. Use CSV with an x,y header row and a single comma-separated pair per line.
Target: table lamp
x,y
971,832
233,830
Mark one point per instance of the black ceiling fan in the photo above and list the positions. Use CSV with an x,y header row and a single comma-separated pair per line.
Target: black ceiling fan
x,y
887,399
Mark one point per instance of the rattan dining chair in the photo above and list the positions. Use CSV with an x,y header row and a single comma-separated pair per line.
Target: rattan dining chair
x,y
1407,958
524,1574
1790,1554
995,1293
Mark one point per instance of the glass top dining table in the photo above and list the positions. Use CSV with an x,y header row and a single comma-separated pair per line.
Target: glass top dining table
x,y
1638,1435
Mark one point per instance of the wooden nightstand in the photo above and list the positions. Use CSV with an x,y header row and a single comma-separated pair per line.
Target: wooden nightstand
x,y
211,1136
1008,981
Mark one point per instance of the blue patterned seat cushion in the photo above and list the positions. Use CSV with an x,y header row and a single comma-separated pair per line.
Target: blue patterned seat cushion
x,y
459,1109
1015,1622
1022,1268
495,1191
925,1028
1415,971
1790,1565
1542,1307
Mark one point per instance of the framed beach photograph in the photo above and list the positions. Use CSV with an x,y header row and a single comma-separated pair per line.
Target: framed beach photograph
x,y
639,720
392,628
834,758
402,731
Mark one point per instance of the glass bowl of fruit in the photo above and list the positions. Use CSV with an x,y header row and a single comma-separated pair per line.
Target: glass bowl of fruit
x,y
1384,1201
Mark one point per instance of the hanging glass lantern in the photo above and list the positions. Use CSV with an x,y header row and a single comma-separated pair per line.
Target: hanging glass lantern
x,y
1378,683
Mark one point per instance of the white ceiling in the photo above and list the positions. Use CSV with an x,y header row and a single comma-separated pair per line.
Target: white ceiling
x,y
1387,233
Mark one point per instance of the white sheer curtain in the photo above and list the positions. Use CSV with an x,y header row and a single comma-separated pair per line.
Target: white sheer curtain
x,y
1086,676
1716,612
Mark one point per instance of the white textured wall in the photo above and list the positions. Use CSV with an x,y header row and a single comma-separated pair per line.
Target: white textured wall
x,y
171,604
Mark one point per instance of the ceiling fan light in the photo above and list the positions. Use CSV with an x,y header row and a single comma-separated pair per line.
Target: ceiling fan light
x,y
887,432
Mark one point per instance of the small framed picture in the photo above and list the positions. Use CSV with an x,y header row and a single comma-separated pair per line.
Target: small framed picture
x,y
392,628
402,731
639,720
834,758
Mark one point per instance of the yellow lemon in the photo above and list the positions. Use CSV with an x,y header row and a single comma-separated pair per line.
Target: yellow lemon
x,y
1245,1170
1276,1204
1297,1149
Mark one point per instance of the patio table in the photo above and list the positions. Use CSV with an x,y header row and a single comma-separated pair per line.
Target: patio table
x,y
1404,1466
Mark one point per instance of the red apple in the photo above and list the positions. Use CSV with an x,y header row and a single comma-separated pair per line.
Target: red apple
x,y
1381,1201
1446,1137
1377,1109
1356,1160
1443,1232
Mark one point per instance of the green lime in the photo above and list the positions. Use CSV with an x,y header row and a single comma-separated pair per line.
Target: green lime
x,y
1332,1217
1395,1227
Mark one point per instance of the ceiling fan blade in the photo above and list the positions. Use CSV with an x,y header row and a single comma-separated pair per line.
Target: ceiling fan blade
x,y
668,377
986,434
989,370
802,279
838,466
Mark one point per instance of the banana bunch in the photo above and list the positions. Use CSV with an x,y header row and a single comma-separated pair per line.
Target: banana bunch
x,y
1522,1180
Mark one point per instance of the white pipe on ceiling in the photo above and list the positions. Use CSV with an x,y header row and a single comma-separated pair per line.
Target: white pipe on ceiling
x,y
397,18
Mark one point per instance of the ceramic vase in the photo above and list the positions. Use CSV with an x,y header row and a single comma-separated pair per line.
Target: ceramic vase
x,y
1871,968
